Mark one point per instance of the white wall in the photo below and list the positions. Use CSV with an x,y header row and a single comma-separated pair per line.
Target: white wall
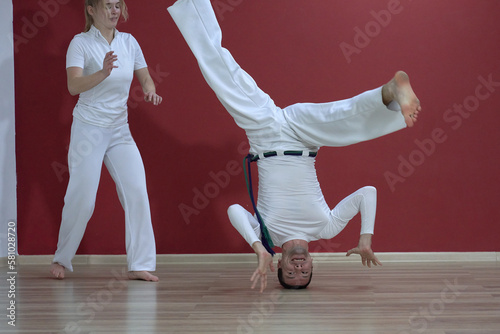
x,y
8,204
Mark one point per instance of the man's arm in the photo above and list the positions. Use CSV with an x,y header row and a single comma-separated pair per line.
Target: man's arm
x,y
265,260
363,200
247,226
244,223
364,249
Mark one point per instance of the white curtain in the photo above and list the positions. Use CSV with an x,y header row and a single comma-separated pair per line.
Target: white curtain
x,y
8,204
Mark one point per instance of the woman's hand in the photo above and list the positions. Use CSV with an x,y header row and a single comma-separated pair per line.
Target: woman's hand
x,y
153,98
108,63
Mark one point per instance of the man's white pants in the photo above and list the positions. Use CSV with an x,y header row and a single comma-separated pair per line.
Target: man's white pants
x,y
268,127
89,147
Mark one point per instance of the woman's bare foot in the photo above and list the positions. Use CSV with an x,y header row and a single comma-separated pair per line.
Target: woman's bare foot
x,y
57,270
142,275
399,90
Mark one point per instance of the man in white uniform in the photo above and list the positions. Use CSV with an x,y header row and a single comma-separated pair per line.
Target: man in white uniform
x,y
285,143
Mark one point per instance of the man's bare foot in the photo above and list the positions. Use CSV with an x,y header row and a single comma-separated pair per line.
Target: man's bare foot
x,y
57,270
142,275
399,90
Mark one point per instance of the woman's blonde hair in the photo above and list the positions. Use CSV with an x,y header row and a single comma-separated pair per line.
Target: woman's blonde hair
x,y
89,20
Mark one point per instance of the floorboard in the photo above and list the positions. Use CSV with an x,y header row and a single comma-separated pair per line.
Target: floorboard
x,y
400,298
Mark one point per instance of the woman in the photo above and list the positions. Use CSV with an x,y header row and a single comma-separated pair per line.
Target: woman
x,y
100,65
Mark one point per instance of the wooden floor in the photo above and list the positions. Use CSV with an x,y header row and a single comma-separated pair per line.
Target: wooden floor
x,y
434,298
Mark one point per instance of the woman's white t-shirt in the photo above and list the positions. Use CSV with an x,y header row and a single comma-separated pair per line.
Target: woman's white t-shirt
x,y
105,105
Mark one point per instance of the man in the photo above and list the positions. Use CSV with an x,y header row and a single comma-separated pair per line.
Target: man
x,y
285,142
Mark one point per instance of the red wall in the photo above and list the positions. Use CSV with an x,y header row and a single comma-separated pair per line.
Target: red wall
x,y
437,182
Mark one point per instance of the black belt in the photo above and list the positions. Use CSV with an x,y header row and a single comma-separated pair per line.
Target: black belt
x,y
274,153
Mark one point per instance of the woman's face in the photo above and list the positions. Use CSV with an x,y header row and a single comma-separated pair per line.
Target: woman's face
x,y
106,14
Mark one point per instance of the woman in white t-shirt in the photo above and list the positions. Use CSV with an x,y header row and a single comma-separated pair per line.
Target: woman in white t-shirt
x,y
100,65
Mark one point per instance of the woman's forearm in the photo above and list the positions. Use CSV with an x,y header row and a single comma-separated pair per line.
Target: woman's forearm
x,y
80,84
147,83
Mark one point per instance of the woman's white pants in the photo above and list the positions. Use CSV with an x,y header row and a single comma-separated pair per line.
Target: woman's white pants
x,y
90,146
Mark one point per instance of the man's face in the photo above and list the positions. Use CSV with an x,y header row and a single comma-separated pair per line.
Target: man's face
x,y
296,265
